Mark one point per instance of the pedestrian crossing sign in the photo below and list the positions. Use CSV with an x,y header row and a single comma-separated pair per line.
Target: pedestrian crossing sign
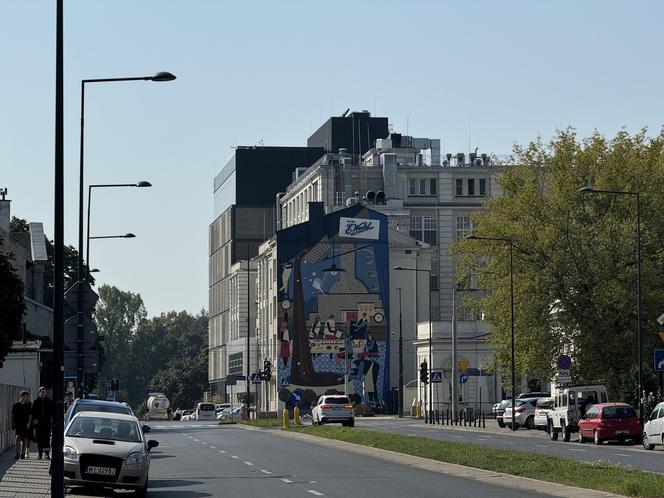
x,y
436,376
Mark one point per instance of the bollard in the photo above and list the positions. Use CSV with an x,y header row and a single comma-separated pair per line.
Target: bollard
x,y
483,422
296,416
463,415
284,419
437,416
418,412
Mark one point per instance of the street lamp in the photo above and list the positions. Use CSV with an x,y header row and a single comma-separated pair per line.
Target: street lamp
x,y
158,77
590,190
125,236
429,416
141,184
510,244
401,356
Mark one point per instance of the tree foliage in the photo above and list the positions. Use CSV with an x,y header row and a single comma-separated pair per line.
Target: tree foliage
x,y
574,257
12,304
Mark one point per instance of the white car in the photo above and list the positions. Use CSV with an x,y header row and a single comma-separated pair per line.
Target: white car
x,y
524,414
653,430
333,409
107,450
542,409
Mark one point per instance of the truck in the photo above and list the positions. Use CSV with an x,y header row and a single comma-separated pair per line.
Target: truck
x,y
157,407
570,404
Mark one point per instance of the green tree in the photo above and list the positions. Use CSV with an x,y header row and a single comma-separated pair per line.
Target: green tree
x,y
12,305
184,379
574,257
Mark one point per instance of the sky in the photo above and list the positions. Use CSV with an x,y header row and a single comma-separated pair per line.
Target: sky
x,y
479,73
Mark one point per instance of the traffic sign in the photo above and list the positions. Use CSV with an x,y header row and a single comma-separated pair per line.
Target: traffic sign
x,y
463,365
661,335
660,319
564,376
463,378
473,372
658,357
89,296
256,378
563,362
71,334
285,382
296,396
436,376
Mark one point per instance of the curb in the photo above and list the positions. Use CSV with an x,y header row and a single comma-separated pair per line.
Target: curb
x,y
486,476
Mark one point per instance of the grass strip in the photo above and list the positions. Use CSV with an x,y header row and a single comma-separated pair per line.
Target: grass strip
x,y
602,476
269,423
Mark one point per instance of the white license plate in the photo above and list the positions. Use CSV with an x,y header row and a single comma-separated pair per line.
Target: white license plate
x,y
622,431
102,471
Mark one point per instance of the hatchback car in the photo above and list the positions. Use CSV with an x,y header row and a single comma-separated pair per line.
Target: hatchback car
x,y
606,421
498,410
333,409
653,430
542,409
96,405
524,414
107,450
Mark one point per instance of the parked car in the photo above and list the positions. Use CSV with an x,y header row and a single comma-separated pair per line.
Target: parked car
x,y
606,421
230,412
498,410
542,409
107,450
218,407
524,413
204,411
333,409
653,430
569,407
96,405
187,415
534,394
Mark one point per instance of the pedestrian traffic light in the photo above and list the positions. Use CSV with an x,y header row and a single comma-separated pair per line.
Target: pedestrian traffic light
x,y
267,370
424,372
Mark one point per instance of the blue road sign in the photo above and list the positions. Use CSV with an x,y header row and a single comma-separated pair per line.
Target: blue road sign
x,y
285,382
296,396
436,376
563,362
463,378
256,378
473,371
659,360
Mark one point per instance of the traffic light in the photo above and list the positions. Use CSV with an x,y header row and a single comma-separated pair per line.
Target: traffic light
x,y
267,370
424,372
114,385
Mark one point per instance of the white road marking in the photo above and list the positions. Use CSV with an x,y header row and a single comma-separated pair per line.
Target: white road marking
x,y
543,446
203,442
314,492
622,454
197,440
213,447
577,449
248,463
265,471
233,456
288,481
454,435
222,451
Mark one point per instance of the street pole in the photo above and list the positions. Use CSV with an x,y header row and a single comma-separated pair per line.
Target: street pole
x,y
455,373
248,334
430,352
638,304
400,357
57,463
512,326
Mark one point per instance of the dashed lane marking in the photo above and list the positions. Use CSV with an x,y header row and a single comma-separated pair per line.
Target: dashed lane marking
x,y
248,463
622,454
197,440
213,447
265,471
222,451
577,449
233,456
287,481
314,492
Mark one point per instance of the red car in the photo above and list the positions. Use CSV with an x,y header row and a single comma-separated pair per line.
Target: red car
x,y
606,421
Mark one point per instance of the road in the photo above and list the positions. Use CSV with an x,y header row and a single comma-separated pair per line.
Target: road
x,y
197,460
524,440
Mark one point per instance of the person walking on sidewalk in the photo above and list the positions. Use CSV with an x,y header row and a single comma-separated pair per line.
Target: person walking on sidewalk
x,y
42,418
21,423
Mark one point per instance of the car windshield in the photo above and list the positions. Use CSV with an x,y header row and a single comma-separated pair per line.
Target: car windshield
x,y
104,428
520,402
545,403
206,407
337,400
102,407
618,412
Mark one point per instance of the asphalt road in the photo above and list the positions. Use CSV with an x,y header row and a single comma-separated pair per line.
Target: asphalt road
x,y
197,459
524,440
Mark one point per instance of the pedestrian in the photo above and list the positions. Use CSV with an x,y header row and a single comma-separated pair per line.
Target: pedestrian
x,y
21,423
42,420
69,400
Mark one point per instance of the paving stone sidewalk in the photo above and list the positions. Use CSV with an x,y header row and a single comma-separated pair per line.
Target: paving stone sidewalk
x,y
24,478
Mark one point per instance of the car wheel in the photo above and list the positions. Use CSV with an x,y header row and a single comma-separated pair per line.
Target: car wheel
x,y
344,424
581,439
553,434
596,438
351,423
530,423
566,434
645,443
501,424
143,492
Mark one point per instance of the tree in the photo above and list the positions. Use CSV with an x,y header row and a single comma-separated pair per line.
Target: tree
x,y
12,304
574,257
117,315
184,379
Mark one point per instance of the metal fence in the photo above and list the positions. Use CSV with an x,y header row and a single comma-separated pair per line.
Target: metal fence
x,y
8,396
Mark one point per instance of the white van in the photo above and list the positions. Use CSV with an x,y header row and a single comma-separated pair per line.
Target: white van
x,y
205,411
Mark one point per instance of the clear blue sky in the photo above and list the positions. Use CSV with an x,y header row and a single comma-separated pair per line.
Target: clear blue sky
x,y
482,74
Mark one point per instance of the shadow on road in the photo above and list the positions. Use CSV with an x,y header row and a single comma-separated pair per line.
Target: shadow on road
x,y
177,494
159,456
171,483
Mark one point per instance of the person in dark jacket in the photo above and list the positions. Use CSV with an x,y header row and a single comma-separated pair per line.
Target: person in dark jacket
x,y
42,419
21,420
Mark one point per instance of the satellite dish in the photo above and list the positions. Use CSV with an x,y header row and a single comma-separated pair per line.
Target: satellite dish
x,y
380,196
371,195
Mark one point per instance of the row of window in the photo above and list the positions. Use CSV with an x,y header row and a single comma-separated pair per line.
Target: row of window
x,y
422,186
470,189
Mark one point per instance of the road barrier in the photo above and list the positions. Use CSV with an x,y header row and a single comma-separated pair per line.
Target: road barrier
x,y
284,419
8,396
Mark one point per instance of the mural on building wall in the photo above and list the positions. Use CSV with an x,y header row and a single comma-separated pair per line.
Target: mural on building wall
x,y
333,298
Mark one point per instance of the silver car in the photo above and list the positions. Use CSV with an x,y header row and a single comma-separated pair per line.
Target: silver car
x,y
107,450
333,409
524,413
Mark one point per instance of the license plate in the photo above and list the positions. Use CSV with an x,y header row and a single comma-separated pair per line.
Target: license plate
x,y
102,471
622,431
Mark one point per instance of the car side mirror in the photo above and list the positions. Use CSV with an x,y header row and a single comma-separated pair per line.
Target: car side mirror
x,y
146,429
152,444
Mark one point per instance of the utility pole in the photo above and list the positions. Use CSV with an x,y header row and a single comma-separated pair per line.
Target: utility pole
x,y
400,357
455,373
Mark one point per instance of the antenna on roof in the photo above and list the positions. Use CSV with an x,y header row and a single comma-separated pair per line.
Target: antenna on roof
x,y
345,113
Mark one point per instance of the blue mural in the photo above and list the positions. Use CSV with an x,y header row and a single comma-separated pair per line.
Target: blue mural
x,y
333,327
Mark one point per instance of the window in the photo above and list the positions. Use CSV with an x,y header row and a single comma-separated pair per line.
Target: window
x,y
432,187
423,186
482,186
459,187
464,226
471,186
435,264
411,186
339,199
423,228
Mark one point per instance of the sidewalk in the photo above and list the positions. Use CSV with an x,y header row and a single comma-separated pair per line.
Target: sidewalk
x,y
24,478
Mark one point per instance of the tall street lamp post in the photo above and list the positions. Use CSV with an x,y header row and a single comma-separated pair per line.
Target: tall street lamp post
x,y
428,416
141,184
590,190
161,76
510,244
400,357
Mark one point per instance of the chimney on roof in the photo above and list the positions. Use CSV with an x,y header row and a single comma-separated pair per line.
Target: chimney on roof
x,y
5,211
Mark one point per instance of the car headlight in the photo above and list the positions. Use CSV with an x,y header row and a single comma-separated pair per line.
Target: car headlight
x,y
69,453
135,458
